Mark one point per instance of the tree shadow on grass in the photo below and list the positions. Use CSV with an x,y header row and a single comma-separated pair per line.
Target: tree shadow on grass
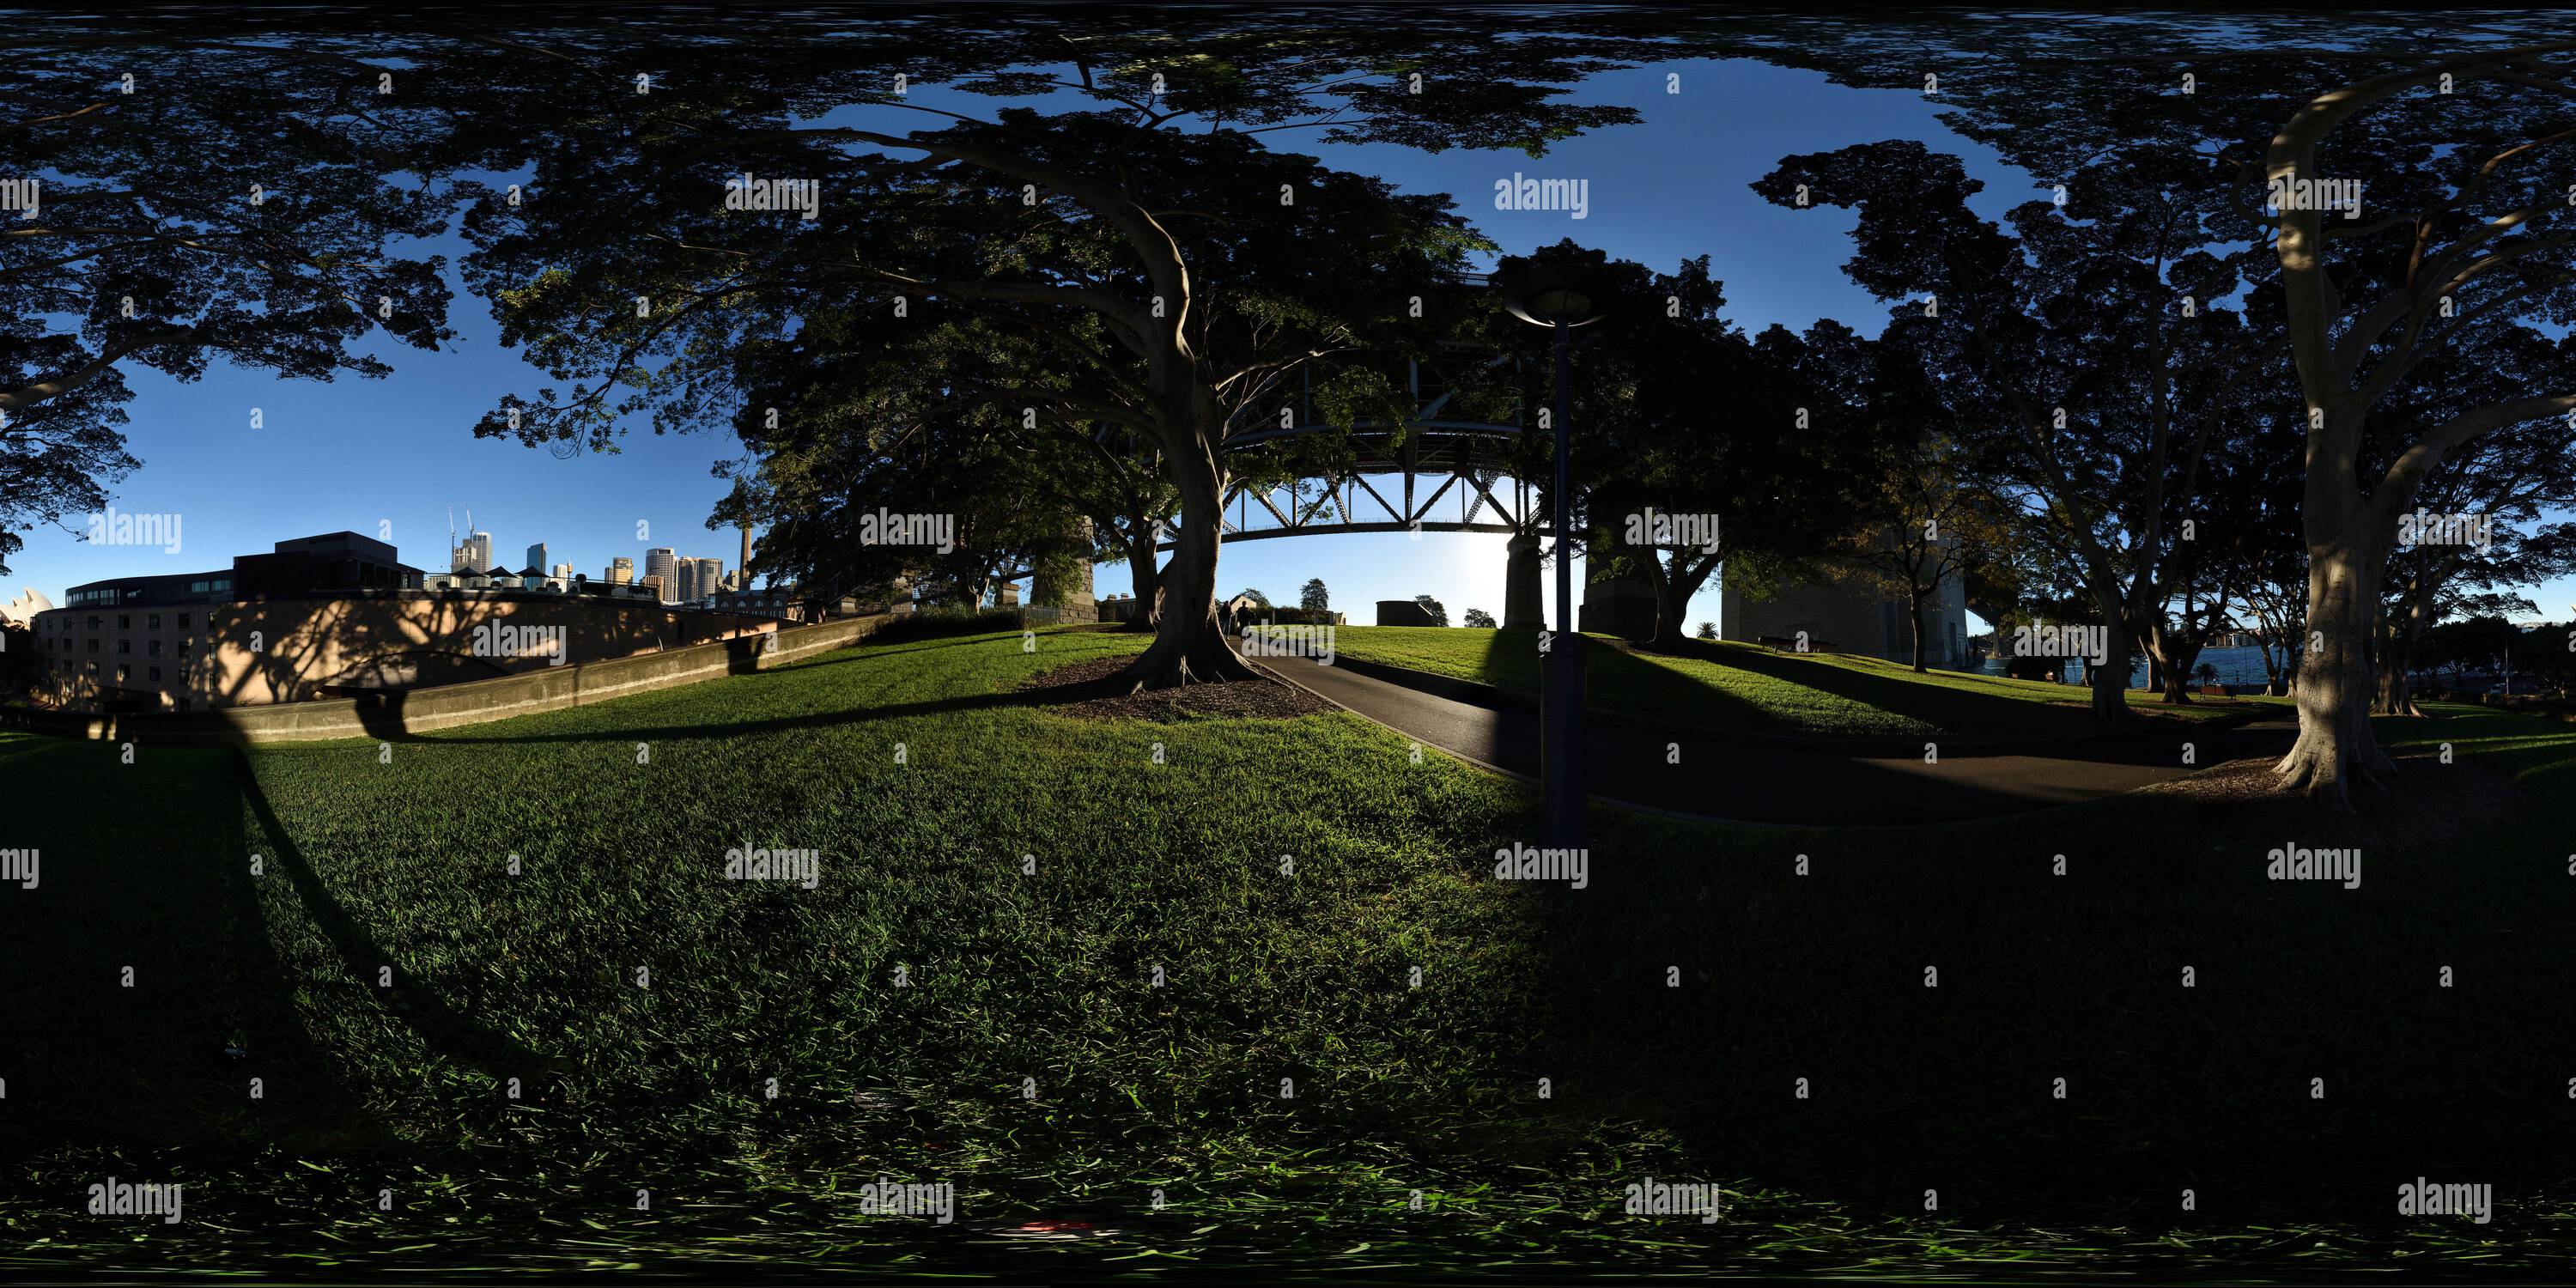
x,y
1952,711
1819,981
447,1029
141,870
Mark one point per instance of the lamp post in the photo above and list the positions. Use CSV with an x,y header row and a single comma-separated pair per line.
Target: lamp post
x,y
1561,297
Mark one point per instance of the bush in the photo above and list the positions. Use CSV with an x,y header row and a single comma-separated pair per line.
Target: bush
x,y
936,623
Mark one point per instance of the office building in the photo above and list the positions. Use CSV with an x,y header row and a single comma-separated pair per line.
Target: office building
x,y
660,563
537,556
474,555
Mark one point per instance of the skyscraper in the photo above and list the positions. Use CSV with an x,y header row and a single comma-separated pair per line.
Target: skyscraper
x,y
688,575
659,563
537,557
474,555
710,577
563,572
621,571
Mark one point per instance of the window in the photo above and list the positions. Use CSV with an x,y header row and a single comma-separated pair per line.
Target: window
x,y
125,621
93,647
93,621
156,675
183,648
125,646
183,621
123,673
152,647
152,622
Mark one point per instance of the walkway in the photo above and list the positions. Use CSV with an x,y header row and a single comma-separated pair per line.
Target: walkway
x,y
1735,780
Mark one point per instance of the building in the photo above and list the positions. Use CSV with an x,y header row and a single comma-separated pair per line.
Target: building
x,y
333,615
687,572
563,573
140,641
537,556
1403,612
710,578
475,553
1851,615
21,612
655,588
621,571
658,562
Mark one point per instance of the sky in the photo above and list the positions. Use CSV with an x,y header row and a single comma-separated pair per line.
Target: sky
x,y
390,458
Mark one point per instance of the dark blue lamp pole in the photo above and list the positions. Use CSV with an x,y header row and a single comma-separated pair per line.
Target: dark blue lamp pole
x,y
1561,297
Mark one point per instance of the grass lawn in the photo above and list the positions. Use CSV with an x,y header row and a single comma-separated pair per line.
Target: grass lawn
x,y
932,1010
1728,685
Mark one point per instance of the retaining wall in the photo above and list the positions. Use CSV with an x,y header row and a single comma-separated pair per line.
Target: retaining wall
x,y
394,713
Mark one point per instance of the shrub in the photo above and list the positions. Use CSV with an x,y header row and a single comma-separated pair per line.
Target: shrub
x,y
936,623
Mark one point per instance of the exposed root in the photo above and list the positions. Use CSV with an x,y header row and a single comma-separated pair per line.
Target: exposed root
x,y
2322,768
1171,663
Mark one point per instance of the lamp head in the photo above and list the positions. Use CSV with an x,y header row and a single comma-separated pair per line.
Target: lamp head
x,y
1545,294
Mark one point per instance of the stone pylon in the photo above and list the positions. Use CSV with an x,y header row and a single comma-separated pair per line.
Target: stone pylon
x,y
1522,585
1071,596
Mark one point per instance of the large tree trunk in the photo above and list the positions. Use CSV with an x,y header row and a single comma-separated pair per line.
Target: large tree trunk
x,y
1915,602
1189,644
1143,579
1674,585
2336,748
2396,693
2397,648
2173,659
2111,678
1672,605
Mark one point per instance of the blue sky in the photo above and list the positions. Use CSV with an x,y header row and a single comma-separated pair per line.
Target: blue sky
x,y
362,454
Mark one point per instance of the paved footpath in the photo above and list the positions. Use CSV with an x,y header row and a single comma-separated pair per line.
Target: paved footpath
x,y
1738,780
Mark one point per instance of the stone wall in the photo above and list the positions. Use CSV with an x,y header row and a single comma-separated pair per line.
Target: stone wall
x,y
389,715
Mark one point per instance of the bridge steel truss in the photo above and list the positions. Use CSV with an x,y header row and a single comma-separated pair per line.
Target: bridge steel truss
x,y
1421,463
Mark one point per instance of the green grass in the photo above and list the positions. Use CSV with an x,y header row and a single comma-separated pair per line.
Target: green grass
x,y
1728,685
619,815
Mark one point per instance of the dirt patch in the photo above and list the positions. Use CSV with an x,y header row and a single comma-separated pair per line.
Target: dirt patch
x,y
2434,804
1238,699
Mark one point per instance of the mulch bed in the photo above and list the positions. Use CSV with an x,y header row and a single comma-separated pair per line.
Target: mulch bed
x,y
2433,804
1238,699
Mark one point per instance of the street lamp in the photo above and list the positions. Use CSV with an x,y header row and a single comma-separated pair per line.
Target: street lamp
x,y
1561,297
